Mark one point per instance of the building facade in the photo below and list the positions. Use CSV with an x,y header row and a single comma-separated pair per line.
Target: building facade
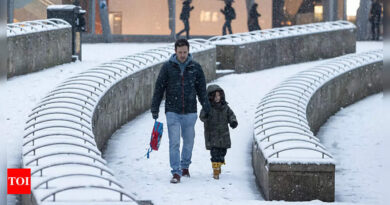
x,y
151,17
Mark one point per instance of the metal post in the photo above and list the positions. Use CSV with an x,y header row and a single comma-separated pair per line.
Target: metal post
x,y
104,20
3,74
277,13
91,16
3,78
345,10
172,17
10,11
330,10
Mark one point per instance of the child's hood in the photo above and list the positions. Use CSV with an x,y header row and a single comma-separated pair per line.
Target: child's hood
x,y
213,88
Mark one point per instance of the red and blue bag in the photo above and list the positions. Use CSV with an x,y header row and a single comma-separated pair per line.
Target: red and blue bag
x,y
155,138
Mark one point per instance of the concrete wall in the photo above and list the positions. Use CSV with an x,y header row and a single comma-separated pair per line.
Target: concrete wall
x,y
113,94
263,54
133,95
29,199
293,181
32,52
343,91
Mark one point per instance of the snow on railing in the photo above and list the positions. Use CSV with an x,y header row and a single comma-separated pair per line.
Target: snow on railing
x,y
283,32
281,129
26,27
59,145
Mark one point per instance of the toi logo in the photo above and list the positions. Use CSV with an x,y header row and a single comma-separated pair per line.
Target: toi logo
x,y
19,181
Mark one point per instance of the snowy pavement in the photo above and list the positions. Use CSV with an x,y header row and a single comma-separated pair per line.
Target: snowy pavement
x,y
355,136
149,179
24,92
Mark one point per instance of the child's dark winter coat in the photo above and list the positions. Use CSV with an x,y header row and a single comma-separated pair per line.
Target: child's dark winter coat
x,y
216,129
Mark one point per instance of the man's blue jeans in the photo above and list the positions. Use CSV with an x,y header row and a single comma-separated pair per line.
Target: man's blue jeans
x,y
184,123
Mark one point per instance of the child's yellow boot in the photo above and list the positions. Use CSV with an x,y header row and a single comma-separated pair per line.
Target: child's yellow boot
x,y
216,169
220,165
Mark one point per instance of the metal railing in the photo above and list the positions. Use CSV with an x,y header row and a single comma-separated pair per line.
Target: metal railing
x,y
63,118
58,130
114,190
26,27
110,180
275,33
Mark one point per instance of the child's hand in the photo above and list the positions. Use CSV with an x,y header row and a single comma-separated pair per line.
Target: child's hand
x,y
234,124
204,116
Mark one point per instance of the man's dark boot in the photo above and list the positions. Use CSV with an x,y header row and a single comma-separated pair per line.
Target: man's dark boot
x,y
175,179
185,173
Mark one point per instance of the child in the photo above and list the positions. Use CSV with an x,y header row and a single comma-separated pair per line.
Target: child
x,y
216,130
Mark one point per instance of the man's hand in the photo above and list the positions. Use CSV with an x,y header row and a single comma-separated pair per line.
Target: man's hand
x,y
234,124
155,115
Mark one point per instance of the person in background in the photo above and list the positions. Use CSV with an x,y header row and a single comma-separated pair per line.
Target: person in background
x,y
375,19
253,21
185,16
230,15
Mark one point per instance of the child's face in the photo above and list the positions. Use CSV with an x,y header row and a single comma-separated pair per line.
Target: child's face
x,y
217,97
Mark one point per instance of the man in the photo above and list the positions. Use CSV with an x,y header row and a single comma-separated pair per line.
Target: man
x,y
253,22
181,79
185,16
375,18
230,14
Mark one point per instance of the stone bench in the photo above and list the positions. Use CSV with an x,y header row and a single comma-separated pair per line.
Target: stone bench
x,y
36,45
67,130
288,160
258,50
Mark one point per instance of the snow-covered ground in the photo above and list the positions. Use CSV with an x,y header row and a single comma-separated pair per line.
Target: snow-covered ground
x,y
355,136
149,179
23,92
